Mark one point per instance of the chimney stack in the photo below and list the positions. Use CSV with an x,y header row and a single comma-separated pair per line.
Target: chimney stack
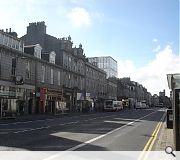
x,y
6,30
10,30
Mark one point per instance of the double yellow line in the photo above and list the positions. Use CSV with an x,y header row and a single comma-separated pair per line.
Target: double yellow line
x,y
149,145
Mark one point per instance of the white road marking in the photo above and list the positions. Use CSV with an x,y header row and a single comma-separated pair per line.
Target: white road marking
x,y
94,139
108,133
48,119
45,127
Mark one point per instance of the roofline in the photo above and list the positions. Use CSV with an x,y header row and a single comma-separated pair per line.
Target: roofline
x,y
33,45
103,57
11,36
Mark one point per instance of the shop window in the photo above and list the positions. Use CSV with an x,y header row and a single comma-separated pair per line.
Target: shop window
x,y
4,104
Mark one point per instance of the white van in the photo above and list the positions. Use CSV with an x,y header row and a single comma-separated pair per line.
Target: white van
x,y
111,105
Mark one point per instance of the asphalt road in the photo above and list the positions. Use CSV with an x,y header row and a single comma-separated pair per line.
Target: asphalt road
x,y
126,130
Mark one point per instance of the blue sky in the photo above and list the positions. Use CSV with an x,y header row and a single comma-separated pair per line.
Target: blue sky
x,y
140,34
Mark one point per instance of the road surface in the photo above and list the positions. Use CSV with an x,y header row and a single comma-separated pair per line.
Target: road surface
x,y
126,130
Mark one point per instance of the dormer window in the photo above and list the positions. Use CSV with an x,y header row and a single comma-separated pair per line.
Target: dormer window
x,y
52,57
37,51
34,50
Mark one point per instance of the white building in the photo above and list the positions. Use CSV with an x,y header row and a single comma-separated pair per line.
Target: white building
x,y
108,64
7,39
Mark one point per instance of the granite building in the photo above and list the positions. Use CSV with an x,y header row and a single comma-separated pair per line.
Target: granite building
x,y
72,59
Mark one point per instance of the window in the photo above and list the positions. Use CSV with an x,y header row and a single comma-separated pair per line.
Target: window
x,y
27,70
37,52
52,76
69,80
75,66
52,56
13,69
59,78
42,73
12,91
16,44
70,62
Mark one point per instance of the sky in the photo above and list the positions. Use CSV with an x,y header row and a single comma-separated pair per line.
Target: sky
x,y
142,35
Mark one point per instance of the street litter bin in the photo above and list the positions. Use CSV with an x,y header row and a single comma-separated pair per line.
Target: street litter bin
x,y
169,120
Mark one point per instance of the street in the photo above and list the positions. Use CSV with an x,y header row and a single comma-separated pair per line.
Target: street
x,y
126,130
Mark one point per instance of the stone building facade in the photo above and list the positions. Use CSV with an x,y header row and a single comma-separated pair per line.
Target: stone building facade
x,y
132,91
15,87
71,59
96,85
53,73
112,88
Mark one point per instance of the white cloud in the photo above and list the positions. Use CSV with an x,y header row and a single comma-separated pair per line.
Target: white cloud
x,y
155,40
153,75
126,68
18,13
79,17
157,48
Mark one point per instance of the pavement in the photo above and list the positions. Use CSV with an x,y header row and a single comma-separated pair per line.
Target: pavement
x,y
164,139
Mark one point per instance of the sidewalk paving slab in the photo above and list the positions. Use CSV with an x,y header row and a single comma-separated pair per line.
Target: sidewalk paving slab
x,y
164,139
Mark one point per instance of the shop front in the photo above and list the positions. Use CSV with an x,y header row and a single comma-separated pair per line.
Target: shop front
x,y
15,100
52,101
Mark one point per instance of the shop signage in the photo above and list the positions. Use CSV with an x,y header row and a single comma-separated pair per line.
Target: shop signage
x,y
19,80
7,93
80,96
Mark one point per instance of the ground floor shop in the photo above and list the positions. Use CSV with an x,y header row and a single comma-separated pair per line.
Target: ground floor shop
x,y
15,99
54,101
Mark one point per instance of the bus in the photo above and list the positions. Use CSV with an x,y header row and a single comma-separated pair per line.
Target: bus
x,y
111,105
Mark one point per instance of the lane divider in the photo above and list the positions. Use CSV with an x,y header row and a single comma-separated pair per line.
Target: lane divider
x,y
68,123
149,145
108,133
55,156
